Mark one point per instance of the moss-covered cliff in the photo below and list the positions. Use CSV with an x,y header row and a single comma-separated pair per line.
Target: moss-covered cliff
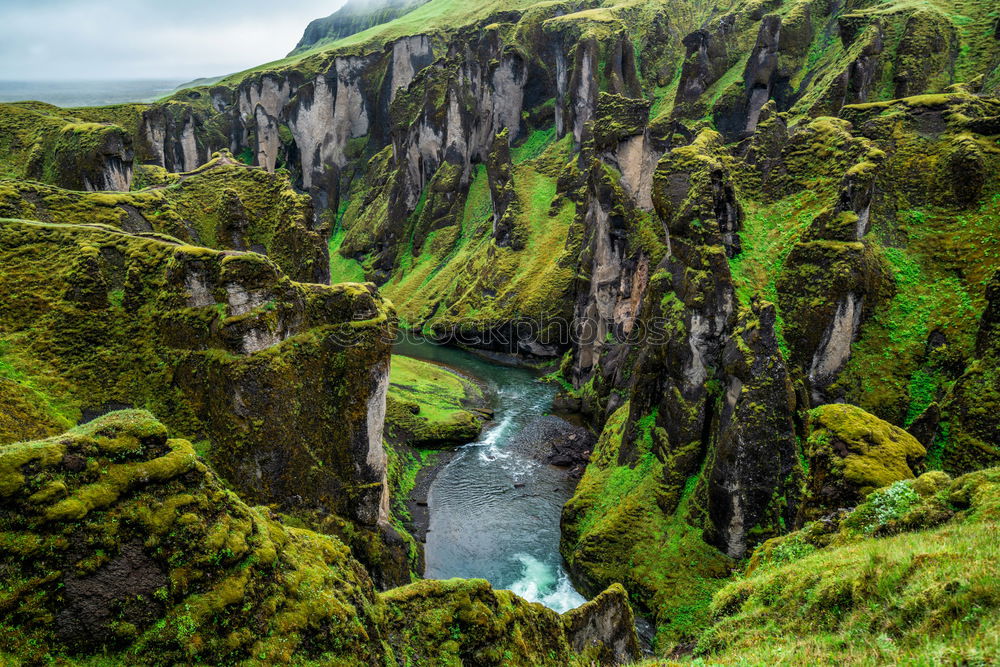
x,y
223,205
284,381
762,238
121,544
46,143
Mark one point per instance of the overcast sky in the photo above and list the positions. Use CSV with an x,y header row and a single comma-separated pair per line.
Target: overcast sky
x,y
147,39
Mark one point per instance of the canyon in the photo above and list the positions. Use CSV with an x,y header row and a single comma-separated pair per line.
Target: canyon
x,y
734,264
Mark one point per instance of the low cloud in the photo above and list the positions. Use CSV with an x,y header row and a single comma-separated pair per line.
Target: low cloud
x,y
143,39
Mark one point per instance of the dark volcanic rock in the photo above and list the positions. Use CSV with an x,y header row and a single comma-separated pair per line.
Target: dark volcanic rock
x,y
604,628
569,446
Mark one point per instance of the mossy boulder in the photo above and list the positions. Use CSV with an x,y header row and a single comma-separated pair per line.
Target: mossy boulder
x,y
121,540
851,453
931,482
464,621
467,622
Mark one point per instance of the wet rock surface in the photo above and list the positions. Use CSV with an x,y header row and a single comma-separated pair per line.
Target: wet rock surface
x,y
569,445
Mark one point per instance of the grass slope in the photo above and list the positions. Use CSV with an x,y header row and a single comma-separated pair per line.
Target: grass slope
x,y
427,404
902,597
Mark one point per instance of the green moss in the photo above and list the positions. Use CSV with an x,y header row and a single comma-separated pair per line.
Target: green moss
x,y
618,117
343,269
102,317
912,597
458,621
851,453
32,406
614,531
769,233
533,145
203,562
890,372
505,284
428,404
221,205
967,438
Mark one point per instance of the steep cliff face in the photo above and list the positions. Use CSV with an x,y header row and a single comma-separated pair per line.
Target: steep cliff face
x,y
222,345
823,218
719,218
834,277
326,119
48,144
625,81
667,198
708,427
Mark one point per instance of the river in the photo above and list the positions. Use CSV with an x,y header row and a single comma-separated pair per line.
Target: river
x,y
494,508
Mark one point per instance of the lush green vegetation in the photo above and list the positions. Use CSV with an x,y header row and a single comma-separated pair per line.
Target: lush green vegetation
x,y
220,205
211,579
821,271
941,276
431,405
531,282
614,531
924,591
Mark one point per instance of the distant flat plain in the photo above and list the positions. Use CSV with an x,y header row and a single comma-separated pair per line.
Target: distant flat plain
x,y
86,93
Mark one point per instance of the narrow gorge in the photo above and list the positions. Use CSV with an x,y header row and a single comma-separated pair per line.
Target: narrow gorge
x,y
482,333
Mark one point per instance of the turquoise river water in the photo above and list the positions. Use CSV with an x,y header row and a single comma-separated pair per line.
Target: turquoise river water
x,y
495,507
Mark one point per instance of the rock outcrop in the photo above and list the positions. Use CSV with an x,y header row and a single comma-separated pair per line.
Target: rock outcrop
x,y
708,383
122,540
51,145
851,453
286,381
222,204
604,628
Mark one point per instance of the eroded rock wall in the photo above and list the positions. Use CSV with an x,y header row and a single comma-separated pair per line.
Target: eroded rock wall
x,y
285,380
